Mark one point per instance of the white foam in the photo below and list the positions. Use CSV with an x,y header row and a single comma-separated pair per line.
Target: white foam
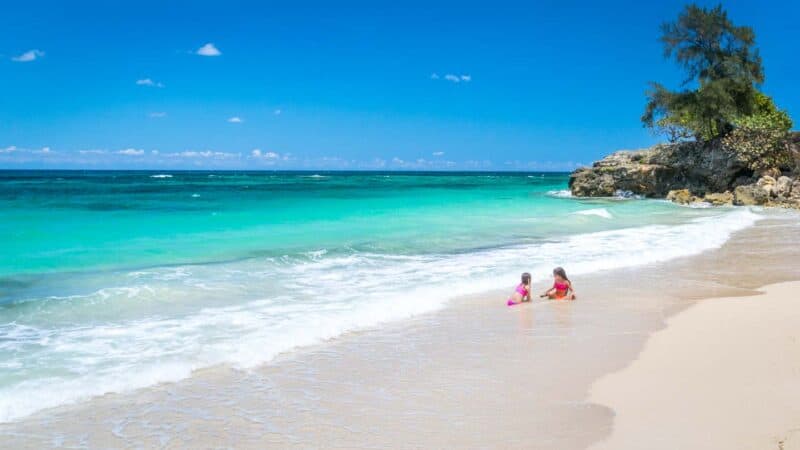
x,y
620,194
599,212
161,175
317,254
561,194
163,323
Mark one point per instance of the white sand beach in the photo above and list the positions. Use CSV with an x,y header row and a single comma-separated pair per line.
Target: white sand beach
x,y
725,373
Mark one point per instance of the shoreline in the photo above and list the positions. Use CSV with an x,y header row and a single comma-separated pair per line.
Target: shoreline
x,y
471,374
721,374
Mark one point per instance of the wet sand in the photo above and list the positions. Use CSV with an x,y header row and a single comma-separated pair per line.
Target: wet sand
x,y
475,374
725,373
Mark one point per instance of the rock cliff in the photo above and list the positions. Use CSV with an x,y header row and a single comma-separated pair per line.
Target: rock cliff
x,y
689,172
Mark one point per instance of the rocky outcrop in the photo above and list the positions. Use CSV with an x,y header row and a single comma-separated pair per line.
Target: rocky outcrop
x,y
783,187
751,194
685,197
689,172
681,196
783,192
655,171
719,198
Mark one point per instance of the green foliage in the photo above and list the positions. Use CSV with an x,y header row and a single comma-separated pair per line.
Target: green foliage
x,y
761,140
721,64
764,106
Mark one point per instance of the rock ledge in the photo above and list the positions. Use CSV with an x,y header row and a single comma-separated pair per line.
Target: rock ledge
x,y
688,172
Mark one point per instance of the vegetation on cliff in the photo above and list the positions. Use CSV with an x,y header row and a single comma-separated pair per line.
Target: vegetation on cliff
x,y
720,98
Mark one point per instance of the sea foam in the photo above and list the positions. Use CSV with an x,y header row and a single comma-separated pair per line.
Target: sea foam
x,y
599,212
149,328
560,194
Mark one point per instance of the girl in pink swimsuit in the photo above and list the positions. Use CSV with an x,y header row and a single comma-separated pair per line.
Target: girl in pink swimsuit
x,y
522,293
562,287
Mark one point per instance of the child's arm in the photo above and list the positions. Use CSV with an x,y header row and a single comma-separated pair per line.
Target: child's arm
x,y
571,290
548,292
528,295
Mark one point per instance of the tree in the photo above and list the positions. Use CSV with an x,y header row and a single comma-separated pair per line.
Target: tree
x,y
723,69
761,140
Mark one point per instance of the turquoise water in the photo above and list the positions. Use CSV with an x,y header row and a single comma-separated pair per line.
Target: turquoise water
x,y
111,281
100,220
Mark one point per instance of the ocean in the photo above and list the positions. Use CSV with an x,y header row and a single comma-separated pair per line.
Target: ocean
x,y
116,280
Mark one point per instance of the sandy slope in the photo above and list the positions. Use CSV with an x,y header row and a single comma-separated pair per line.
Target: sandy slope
x,y
724,374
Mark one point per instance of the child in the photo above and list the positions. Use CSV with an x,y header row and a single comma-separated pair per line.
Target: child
x,y
562,287
522,293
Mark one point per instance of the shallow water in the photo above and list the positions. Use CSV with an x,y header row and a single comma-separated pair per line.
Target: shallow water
x,y
476,374
113,281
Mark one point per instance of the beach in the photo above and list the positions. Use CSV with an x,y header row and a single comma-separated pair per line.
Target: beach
x,y
469,372
534,225
723,374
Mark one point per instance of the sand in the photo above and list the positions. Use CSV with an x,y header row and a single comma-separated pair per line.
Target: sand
x,y
724,374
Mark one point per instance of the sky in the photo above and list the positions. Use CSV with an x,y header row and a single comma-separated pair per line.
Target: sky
x,y
353,85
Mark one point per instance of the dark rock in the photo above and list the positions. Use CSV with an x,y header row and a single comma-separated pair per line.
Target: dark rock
x,y
700,168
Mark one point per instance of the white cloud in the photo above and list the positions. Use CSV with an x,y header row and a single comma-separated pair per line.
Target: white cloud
x,y
434,76
153,152
277,112
44,150
475,164
376,163
30,55
427,164
203,154
131,152
8,149
149,82
544,165
235,120
92,152
257,153
157,115
454,78
438,153
208,50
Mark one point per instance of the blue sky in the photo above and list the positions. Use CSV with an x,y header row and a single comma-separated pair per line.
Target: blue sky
x,y
350,86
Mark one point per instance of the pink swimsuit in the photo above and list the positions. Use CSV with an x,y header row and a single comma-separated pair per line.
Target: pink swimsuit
x,y
521,290
561,289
